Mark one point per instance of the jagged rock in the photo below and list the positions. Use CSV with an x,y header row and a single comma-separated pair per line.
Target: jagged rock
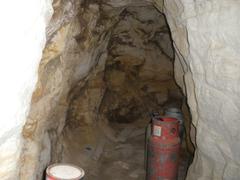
x,y
100,61
93,52
207,62
87,41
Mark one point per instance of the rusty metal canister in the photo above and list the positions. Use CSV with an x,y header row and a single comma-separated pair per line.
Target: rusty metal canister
x,y
163,150
156,116
64,172
176,113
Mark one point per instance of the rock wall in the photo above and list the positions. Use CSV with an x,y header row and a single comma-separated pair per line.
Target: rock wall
x,y
77,38
205,34
139,69
207,64
77,41
22,39
134,78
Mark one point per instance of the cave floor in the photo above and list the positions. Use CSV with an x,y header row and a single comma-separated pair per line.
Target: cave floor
x,y
124,159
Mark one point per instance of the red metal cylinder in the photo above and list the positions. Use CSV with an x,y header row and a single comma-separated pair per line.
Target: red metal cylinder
x,y
163,150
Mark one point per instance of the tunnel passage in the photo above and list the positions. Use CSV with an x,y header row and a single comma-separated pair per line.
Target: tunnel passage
x,y
115,68
136,79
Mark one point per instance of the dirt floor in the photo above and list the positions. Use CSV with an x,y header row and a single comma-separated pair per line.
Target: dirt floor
x,y
119,160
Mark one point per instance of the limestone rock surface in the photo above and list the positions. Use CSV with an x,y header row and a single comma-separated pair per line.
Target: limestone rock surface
x,y
22,40
71,53
139,72
96,50
207,62
132,79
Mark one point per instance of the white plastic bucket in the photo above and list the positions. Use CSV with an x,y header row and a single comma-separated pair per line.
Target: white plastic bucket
x,y
64,172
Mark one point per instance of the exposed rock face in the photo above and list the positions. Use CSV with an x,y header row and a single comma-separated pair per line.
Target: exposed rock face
x,y
134,78
70,55
22,40
206,42
207,62
138,72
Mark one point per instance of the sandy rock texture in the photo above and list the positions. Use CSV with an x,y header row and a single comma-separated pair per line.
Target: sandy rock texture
x,y
132,79
87,62
74,47
96,54
139,71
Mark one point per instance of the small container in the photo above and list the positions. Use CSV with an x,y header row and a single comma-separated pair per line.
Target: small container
x,y
63,171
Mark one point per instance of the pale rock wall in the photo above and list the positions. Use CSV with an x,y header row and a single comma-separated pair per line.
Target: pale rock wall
x,y
205,34
73,50
22,37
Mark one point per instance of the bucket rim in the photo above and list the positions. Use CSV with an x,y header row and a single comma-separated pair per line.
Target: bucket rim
x,y
65,164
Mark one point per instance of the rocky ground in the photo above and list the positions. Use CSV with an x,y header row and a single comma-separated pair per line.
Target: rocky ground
x,y
123,159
